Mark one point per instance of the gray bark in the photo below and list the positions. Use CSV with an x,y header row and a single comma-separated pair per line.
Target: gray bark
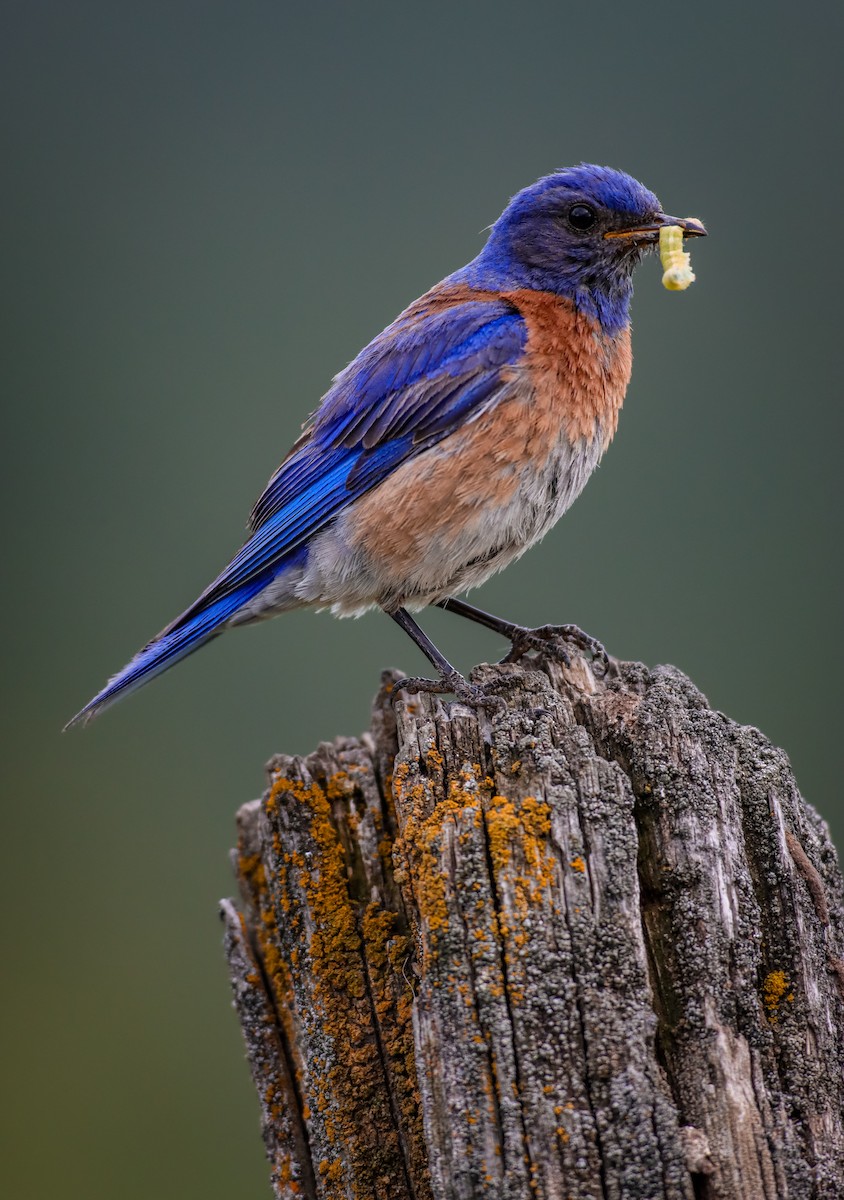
x,y
587,945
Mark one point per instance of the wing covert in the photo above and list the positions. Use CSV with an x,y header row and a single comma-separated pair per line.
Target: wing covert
x,y
413,384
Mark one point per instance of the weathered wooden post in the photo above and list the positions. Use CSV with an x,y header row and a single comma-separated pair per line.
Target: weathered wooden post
x,y
589,945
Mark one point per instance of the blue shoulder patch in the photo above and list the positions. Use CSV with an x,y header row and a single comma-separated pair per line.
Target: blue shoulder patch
x,y
414,378
412,385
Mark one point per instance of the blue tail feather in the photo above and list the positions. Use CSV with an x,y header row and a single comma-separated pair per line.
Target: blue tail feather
x,y
169,648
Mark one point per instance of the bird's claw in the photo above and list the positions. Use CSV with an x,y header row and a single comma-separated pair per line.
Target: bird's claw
x,y
473,694
552,641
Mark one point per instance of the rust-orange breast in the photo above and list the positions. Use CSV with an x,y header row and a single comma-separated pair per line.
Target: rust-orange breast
x,y
577,373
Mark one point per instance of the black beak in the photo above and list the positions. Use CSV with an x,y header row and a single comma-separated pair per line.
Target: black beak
x,y
690,226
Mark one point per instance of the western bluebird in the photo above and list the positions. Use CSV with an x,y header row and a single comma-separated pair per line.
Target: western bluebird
x,y
454,440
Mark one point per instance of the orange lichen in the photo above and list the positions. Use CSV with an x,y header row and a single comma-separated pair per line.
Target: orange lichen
x,y
421,844
332,1170
336,786
345,967
520,852
774,991
251,868
525,828
335,972
283,1175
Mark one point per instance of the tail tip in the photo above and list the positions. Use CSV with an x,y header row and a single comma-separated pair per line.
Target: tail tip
x,y
87,714
84,715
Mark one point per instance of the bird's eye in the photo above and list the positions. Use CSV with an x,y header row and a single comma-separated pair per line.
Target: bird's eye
x,y
582,217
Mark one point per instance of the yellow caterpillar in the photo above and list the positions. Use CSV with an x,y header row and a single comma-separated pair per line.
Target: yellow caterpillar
x,y
678,273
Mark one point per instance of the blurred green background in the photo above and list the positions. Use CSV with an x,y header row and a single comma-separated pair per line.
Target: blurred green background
x,y
207,209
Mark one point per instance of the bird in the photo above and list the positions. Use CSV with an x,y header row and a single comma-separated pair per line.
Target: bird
x,y
453,441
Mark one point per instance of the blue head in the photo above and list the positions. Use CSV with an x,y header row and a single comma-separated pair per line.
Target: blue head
x,y
579,232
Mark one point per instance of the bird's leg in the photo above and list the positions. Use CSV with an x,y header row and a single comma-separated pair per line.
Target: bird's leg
x,y
450,678
547,639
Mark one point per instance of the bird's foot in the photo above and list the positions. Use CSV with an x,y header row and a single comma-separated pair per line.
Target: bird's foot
x,y
453,682
553,641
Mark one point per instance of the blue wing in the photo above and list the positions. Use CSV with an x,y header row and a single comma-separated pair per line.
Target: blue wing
x,y
408,389
416,382
412,384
